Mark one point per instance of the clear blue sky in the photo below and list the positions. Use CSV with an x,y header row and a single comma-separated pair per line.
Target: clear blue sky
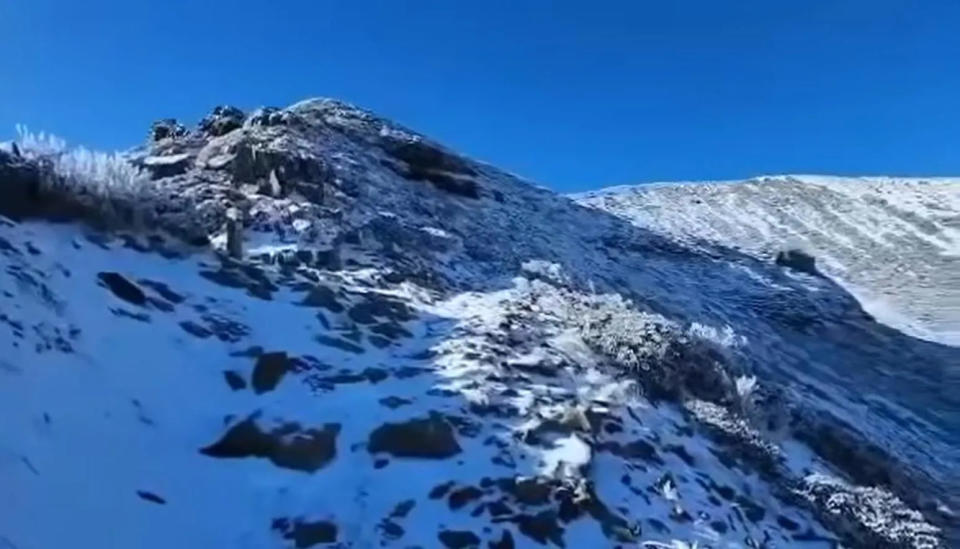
x,y
575,95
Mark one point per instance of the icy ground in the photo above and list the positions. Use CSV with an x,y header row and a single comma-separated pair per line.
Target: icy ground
x,y
418,350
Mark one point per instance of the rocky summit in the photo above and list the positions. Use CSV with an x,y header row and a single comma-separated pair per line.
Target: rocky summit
x,y
312,327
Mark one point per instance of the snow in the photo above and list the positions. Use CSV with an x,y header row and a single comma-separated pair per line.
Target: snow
x,y
890,241
130,407
590,353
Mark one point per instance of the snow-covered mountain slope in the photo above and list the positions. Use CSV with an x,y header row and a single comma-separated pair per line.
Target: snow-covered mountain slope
x,y
315,328
892,242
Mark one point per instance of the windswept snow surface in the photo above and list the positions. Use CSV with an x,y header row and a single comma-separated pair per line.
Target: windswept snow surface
x,y
419,350
892,242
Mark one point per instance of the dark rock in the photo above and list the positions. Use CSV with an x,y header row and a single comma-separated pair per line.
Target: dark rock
x,y
123,288
638,449
322,296
798,260
223,120
378,342
225,329
288,446
279,172
268,116
160,304
167,128
151,497
268,371
426,161
234,380
751,510
530,491
374,306
403,508
195,329
306,534
327,259
542,527
338,343
390,330
499,509
659,526
391,530
394,402
372,375
139,317
431,437
505,541
787,523
462,496
680,451
440,490
458,539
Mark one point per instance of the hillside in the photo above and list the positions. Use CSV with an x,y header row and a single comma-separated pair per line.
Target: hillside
x,y
312,327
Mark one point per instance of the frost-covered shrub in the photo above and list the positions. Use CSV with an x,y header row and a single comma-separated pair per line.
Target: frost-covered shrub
x,y
666,359
105,184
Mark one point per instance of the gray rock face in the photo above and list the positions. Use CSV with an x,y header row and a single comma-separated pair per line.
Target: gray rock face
x,y
431,437
269,370
167,128
798,260
223,120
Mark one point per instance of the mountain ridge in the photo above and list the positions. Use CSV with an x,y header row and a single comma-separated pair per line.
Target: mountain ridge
x,y
569,376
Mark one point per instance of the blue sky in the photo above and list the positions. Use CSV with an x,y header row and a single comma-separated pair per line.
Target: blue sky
x,y
575,95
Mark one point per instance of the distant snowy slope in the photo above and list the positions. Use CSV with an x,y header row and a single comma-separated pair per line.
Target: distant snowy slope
x,y
893,242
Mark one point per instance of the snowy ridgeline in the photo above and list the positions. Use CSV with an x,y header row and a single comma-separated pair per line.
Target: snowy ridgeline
x,y
412,349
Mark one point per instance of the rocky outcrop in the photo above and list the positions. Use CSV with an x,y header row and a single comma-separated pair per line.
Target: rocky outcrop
x,y
167,128
431,437
288,445
799,261
223,120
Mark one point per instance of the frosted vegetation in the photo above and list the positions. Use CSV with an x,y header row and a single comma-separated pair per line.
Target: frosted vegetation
x,y
108,178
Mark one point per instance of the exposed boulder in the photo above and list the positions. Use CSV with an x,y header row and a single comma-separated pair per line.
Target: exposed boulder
x,y
426,161
223,120
269,370
430,437
322,296
271,116
234,380
458,539
234,230
123,288
276,172
166,128
798,260
288,446
306,533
